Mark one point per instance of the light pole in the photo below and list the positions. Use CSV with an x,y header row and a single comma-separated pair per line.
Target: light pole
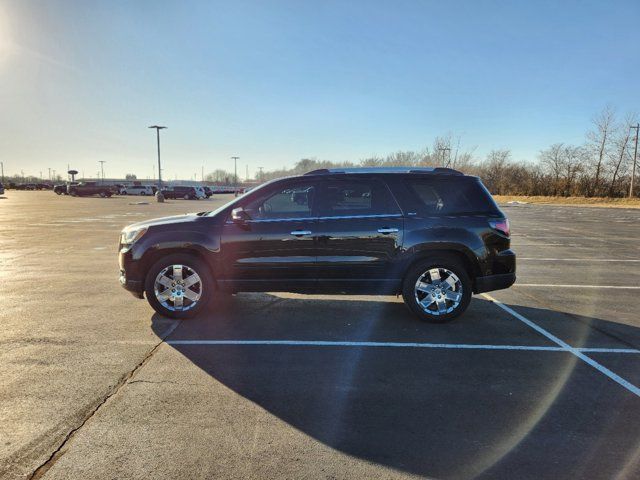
x,y
235,171
49,172
102,162
158,128
636,127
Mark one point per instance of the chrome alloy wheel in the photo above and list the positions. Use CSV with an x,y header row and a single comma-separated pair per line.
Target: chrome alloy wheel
x,y
178,288
438,291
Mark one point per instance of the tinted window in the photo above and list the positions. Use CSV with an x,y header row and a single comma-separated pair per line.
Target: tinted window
x,y
451,196
357,197
286,202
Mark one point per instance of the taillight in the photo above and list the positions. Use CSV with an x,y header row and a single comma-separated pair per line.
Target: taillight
x,y
501,226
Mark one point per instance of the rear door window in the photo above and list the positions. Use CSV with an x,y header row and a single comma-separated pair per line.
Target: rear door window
x,y
355,197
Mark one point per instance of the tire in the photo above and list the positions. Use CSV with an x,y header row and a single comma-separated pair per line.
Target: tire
x,y
187,197
437,287
142,194
190,264
73,193
58,193
124,192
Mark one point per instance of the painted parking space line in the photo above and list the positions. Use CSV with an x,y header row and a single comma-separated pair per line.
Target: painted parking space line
x,y
603,260
619,287
323,343
450,346
575,351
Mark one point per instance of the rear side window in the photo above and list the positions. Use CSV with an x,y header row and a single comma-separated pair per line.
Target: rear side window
x,y
441,196
351,197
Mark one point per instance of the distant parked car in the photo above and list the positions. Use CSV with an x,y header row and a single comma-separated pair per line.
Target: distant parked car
x,y
188,193
26,186
201,192
43,186
85,189
62,188
137,190
208,192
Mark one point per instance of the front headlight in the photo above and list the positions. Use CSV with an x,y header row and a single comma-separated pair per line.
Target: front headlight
x,y
130,236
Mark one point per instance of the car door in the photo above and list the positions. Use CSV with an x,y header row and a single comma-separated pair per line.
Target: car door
x,y
274,247
360,230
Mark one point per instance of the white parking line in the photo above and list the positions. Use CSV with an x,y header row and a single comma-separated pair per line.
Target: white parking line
x,y
453,346
575,351
619,287
625,260
323,343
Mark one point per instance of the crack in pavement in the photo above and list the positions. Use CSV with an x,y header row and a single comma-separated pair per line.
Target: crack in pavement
x,y
41,470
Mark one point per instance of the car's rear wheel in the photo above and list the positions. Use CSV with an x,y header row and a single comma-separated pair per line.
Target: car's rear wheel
x,y
179,286
437,289
186,197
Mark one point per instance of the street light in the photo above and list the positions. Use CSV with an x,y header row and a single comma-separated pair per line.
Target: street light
x,y
158,128
235,171
102,162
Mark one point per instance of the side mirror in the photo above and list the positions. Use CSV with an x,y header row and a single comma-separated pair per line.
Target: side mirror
x,y
238,215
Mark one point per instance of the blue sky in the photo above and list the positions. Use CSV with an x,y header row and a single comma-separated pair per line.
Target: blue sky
x,y
276,81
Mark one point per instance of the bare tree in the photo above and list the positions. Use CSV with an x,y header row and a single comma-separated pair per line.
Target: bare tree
x,y
552,160
572,159
622,151
494,168
598,139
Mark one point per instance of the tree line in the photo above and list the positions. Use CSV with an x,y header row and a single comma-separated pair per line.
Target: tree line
x,y
599,167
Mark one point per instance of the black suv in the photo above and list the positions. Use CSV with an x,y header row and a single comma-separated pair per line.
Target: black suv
x,y
188,193
432,234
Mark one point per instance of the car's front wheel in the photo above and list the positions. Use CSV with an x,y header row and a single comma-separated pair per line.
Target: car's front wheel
x,y
437,289
179,286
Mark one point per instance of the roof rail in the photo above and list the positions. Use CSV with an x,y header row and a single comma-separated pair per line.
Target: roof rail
x,y
432,170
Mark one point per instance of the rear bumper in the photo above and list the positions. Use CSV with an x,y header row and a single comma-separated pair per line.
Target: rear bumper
x,y
489,283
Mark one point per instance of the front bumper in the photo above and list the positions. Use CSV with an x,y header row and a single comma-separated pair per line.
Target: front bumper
x,y
133,286
128,273
489,283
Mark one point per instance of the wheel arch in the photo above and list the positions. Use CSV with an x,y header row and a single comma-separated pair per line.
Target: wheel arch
x,y
461,253
153,255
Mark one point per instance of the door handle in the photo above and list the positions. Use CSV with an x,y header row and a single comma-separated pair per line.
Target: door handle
x,y
386,231
301,233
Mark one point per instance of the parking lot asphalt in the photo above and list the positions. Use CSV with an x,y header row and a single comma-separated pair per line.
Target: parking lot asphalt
x,y
538,381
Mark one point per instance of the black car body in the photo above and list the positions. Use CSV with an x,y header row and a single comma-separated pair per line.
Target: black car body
x,y
434,235
186,192
85,189
62,188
